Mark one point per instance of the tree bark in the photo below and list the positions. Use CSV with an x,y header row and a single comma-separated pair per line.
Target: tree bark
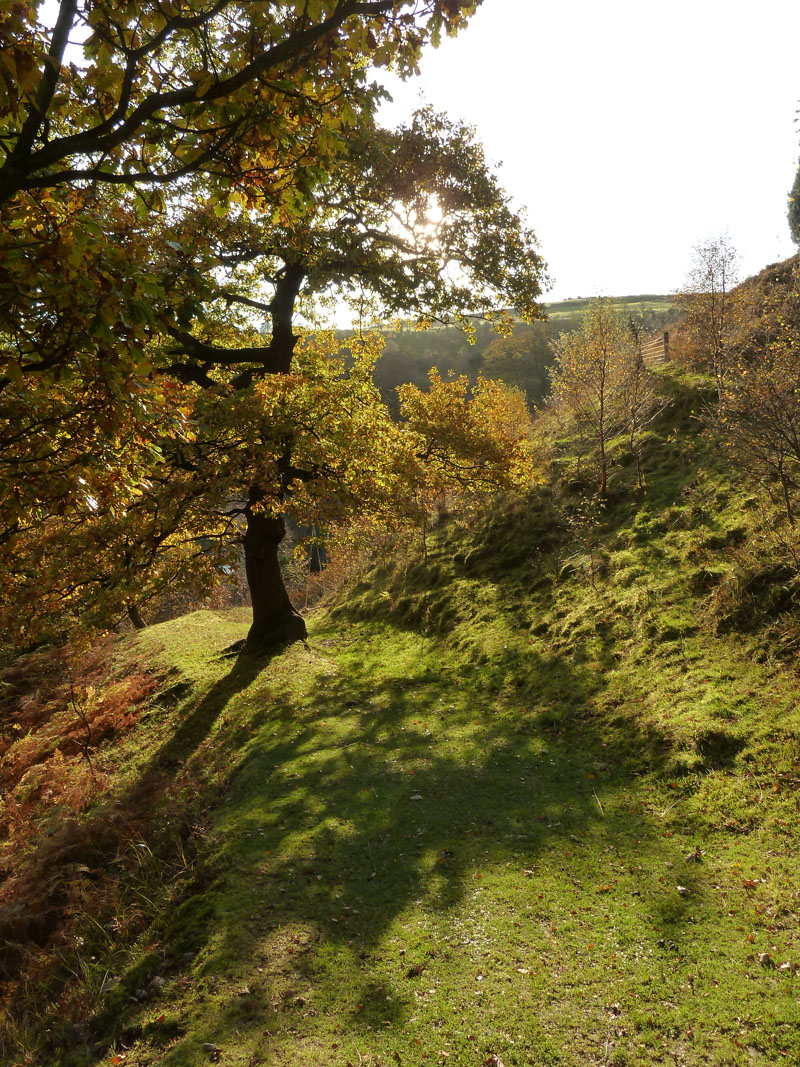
x,y
275,621
135,616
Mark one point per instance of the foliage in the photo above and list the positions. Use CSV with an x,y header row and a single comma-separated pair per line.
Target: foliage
x,y
794,209
165,105
469,438
523,360
300,437
221,184
758,421
409,355
599,380
64,712
758,418
711,305
236,94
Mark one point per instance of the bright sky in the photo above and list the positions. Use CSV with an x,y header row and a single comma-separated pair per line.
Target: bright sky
x,y
630,130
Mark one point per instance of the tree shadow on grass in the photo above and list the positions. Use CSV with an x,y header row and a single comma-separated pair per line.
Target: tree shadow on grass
x,y
179,748
363,806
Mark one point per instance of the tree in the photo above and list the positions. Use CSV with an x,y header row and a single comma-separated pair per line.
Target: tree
x,y
794,209
471,439
711,305
591,376
522,360
758,422
411,220
102,146
642,402
245,108
758,419
400,206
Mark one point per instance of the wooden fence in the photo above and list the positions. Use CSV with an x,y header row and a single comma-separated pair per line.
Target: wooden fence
x,y
656,350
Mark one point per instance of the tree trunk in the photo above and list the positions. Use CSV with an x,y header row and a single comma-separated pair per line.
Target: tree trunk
x,y
603,466
275,621
135,616
787,499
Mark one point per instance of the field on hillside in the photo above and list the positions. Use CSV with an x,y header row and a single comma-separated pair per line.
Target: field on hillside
x,y
532,799
648,306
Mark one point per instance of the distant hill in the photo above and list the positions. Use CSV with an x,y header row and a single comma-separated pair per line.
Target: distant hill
x,y
651,306
409,354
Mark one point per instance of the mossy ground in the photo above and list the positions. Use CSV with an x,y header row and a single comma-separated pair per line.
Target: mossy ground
x,y
524,801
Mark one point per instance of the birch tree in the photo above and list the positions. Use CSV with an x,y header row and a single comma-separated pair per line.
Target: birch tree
x,y
591,375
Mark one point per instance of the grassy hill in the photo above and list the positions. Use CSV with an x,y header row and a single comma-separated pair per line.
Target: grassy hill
x,y
653,308
531,799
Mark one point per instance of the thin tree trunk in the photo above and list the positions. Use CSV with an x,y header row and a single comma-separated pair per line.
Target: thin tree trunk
x,y
275,621
603,467
787,499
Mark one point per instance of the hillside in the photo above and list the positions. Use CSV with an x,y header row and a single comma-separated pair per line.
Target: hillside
x,y
532,799
409,354
656,310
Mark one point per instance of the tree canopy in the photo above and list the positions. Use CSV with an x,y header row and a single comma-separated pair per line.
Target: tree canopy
x,y
711,302
242,93
168,205
112,121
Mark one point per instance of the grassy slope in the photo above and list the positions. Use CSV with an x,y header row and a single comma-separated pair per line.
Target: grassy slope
x,y
644,304
452,829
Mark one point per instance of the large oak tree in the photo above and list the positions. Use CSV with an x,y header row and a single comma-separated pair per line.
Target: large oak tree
x,y
111,120
206,164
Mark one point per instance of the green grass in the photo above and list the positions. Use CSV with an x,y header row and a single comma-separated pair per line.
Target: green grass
x,y
408,864
644,304
453,828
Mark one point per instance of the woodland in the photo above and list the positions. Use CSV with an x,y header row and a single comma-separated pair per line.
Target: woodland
x,y
419,692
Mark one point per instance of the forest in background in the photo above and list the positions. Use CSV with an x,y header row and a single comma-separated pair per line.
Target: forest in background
x,y
523,360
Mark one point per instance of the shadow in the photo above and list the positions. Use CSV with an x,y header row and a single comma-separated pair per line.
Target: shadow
x,y
92,845
359,806
194,729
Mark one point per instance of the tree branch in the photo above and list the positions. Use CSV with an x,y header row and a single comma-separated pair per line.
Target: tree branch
x,y
213,355
17,171
47,86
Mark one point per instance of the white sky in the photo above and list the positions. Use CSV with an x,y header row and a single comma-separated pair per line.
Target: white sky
x,y
630,130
